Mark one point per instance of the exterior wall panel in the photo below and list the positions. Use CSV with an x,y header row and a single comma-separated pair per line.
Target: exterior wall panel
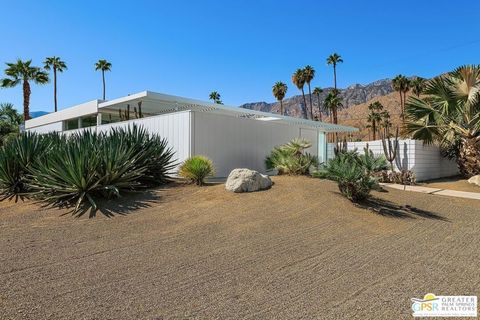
x,y
233,142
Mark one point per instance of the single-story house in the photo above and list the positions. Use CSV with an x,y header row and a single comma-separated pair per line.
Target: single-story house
x,y
231,137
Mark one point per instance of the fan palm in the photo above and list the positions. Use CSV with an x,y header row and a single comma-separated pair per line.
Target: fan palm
x,y
103,65
57,65
418,85
309,73
333,60
298,79
449,115
23,72
279,90
333,102
401,84
215,97
374,118
317,91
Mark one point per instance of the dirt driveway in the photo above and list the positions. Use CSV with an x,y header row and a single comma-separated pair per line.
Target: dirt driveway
x,y
297,251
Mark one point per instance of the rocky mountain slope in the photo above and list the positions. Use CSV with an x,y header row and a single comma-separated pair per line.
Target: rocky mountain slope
x,y
353,95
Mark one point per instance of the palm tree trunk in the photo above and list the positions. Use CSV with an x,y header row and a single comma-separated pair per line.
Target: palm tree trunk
x,y
335,76
319,109
55,87
103,80
26,100
311,105
401,107
468,159
304,109
281,107
374,129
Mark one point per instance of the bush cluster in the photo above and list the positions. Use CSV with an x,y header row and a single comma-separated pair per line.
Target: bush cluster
x,y
291,158
85,166
196,169
354,173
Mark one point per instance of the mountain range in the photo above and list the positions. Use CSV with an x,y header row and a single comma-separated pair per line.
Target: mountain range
x,y
353,95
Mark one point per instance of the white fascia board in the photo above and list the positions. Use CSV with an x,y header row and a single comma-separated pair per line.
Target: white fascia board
x,y
80,110
322,126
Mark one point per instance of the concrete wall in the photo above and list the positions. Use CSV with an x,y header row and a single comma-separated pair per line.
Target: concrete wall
x,y
425,160
233,142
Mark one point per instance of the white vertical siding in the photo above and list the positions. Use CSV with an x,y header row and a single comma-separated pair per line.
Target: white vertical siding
x,y
52,127
425,160
238,142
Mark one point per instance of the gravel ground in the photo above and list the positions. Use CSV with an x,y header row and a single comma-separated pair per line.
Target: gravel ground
x,y
297,251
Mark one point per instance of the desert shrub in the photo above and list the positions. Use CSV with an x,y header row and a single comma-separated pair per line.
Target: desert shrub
x,y
16,158
291,158
354,173
196,169
404,177
76,170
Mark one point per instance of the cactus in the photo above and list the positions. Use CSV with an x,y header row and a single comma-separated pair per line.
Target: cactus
x,y
340,147
390,148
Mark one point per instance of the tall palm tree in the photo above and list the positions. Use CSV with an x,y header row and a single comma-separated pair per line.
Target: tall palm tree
x,y
333,102
279,90
23,72
57,65
103,65
449,115
317,91
215,97
401,84
375,116
309,74
418,85
333,60
298,79
386,123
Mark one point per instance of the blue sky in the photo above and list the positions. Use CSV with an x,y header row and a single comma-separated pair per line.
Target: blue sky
x,y
239,48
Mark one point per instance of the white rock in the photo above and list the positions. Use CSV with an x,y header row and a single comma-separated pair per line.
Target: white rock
x,y
475,180
246,180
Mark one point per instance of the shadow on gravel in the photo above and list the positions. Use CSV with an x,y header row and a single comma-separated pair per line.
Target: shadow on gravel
x,y
390,209
124,205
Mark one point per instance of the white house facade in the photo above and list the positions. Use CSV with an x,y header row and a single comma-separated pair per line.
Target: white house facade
x,y
231,137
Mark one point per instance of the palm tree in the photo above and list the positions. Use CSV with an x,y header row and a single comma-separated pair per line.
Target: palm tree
x,y
317,91
298,79
334,59
57,65
103,65
374,117
279,90
386,123
401,84
449,115
9,114
418,85
333,102
309,74
215,96
23,72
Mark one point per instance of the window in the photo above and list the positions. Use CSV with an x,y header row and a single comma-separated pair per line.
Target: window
x,y
71,124
89,121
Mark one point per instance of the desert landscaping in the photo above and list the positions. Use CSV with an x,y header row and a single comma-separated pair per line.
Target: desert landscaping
x,y
181,251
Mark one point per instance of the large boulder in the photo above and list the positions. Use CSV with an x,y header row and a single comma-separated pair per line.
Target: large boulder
x,y
246,180
475,180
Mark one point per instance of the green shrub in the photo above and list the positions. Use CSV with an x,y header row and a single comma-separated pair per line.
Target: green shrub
x,y
16,158
354,173
64,171
196,169
291,158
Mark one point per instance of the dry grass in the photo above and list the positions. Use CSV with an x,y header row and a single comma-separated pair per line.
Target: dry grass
x,y
297,251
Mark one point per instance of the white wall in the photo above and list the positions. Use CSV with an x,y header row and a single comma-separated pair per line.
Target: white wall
x,y
233,142
425,160
52,127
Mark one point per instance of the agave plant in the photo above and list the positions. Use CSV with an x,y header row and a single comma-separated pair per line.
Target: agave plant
x,y
449,114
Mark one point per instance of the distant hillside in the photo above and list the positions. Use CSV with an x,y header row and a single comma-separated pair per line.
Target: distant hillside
x,y
353,95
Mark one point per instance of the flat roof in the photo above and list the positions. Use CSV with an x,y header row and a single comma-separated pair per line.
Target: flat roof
x,y
159,103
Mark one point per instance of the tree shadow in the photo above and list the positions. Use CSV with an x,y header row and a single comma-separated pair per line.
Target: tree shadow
x,y
390,209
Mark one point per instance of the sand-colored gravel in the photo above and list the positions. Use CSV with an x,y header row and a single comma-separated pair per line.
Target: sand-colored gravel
x,y
297,251
452,184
